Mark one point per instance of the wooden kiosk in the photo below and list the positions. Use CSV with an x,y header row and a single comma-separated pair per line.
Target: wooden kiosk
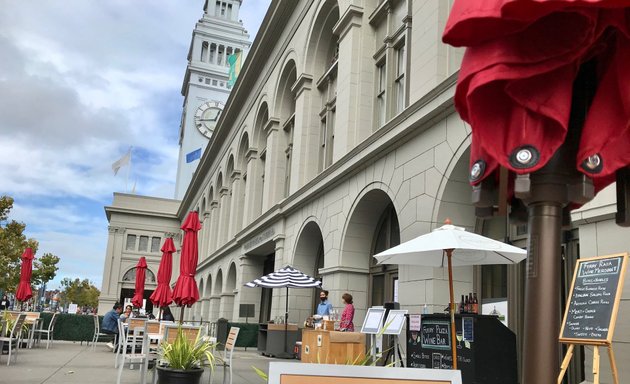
x,y
592,309
331,347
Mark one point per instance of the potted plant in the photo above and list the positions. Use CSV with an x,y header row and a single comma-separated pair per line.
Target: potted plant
x,y
182,361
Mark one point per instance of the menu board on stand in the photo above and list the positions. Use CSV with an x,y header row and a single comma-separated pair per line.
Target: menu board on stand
x,y
592,308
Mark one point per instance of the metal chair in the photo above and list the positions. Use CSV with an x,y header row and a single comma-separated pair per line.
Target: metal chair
x,y
48,332
98,334
226,363
136,336
14,337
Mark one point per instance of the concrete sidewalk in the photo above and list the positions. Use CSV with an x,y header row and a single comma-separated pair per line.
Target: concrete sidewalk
x,y
68,362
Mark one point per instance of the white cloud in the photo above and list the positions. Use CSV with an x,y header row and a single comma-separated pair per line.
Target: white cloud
x,y
80,82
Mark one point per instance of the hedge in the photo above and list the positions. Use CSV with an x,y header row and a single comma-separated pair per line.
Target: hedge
x,y
81,328
247,335
71,327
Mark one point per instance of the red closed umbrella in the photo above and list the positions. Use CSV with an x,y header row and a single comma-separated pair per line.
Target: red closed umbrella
x,y
186,292
515,85
141,270
162,296
24,291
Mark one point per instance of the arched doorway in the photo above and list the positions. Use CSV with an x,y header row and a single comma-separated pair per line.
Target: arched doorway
x,y
372,227
309,258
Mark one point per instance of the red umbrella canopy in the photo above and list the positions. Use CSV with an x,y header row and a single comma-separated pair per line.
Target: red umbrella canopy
x,y
141,270
24,291
162,296
516,81
186,291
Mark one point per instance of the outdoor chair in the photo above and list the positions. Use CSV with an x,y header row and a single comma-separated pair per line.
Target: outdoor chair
x,y
48,332
13,339
127,340
133,338
226,361
98,335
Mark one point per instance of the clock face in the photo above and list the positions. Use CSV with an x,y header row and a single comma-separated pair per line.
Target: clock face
x,y
207,116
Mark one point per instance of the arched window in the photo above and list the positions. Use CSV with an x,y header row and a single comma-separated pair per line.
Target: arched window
x,y
384,278
130,275
204,51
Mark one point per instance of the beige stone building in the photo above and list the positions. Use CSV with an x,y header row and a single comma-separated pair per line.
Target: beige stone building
x,y
338,141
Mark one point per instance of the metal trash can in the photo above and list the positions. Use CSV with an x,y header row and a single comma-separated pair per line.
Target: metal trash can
x,y
222,333
297,350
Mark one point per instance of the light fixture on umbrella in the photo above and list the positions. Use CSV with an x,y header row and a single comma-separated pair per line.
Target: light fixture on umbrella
x,y
24,291
287,277
451,246
186,292
162,296
141,269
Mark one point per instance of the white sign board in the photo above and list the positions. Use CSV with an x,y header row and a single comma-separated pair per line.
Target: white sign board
x,y
373,320
72,308
395,322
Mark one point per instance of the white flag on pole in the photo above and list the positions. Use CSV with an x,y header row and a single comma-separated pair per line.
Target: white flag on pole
x,y
121,162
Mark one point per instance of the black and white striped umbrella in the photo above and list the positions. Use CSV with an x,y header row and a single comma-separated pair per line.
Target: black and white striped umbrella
x,y
287,277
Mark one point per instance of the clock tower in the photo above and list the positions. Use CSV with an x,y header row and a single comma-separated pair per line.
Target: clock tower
x,y
218,39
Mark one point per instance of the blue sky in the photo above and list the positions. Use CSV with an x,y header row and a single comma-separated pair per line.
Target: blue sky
x,y
80,82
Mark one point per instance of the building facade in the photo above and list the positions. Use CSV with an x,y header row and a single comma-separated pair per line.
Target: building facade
x,y
218,35
340,140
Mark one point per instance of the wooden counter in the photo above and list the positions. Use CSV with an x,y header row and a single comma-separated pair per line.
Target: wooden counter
x,y
330,347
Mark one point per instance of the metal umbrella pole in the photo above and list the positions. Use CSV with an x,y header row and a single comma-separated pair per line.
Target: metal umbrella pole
x,y
547,193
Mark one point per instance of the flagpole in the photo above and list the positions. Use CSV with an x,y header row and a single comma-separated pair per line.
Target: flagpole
x,y
128,172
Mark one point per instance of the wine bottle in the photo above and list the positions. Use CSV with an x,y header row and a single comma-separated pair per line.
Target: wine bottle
x,y
475,304
461,306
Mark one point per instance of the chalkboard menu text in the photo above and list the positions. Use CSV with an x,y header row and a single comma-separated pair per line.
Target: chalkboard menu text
x,y
594,300
436,334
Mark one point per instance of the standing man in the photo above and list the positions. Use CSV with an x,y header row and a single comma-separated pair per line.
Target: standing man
x,y
110,324
324,307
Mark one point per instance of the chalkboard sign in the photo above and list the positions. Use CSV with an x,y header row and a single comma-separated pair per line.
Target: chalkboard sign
x,y
594,300
482,361
436,334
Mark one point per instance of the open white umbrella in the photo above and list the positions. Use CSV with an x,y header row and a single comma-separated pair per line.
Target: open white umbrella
x,y
435,249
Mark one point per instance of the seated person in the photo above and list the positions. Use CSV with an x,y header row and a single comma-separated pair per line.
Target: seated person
x,y
110,324
127,314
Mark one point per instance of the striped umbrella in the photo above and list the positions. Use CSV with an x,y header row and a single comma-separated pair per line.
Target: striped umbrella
x,y
287,277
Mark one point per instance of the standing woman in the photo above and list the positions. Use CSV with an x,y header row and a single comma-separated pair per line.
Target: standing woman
x,y
347,315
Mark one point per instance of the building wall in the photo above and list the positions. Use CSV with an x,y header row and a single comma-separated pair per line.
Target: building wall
x,y
408,159
138,216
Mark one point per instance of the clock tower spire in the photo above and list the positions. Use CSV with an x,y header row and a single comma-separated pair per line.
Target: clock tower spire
x,y
218,35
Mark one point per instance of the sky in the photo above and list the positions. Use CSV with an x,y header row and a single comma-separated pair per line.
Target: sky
x,y
80,82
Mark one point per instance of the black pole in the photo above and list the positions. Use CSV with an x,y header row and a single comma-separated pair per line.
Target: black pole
x,y
286,320
547,193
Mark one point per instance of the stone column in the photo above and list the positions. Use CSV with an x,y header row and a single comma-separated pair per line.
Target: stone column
x,y
354,79
215,304
251,192
275,164
214,219
305,134
205,233
236,209
224,216
227,305
111,275
251,268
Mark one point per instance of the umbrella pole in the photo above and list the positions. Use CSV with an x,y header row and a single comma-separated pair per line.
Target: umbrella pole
x,y
451,308
181,314
286,320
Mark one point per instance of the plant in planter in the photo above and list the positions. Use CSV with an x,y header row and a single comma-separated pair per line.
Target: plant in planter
x,y
182,361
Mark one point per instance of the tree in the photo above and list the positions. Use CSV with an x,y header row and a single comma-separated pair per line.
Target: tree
x,y
12,244
80,292
44,269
